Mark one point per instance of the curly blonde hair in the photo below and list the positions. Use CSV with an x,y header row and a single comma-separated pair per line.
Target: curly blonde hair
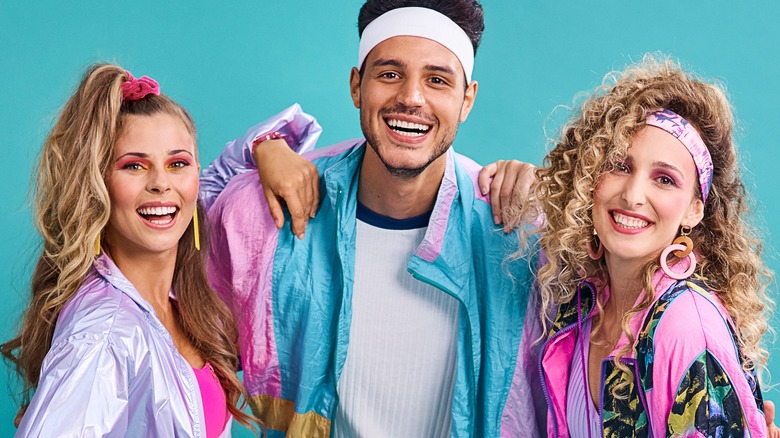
x,y
72,208
593,141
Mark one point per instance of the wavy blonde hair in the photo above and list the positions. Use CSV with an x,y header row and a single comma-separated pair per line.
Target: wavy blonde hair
x,y
72,207
595,139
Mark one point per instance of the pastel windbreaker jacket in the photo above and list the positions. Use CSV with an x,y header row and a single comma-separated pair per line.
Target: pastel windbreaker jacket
x,y
112,369
688,375
292,299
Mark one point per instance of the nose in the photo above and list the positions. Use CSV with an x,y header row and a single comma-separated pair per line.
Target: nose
x,y
634,191
411,93
159,181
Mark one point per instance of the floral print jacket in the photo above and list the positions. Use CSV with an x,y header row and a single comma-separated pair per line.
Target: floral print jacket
x,y
688,377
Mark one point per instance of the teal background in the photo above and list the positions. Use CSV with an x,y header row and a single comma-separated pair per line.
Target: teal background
x,y
237,63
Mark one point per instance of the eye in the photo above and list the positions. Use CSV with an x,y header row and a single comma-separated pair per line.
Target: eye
x,y
666,180
621,167
179,164
389,75
133,166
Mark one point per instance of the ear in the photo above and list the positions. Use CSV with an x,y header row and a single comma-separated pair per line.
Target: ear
x,y
695,213
354,86
468,100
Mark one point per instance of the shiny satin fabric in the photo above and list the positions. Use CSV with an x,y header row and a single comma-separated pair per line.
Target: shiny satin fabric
x,y
112,369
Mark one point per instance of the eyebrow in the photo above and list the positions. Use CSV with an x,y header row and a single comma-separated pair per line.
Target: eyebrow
x,y
440,69
665,165
383,62
143,155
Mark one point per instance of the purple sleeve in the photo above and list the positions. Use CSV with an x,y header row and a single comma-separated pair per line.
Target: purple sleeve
x,y
300,130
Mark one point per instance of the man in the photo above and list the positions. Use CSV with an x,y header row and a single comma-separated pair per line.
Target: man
x,y
393,314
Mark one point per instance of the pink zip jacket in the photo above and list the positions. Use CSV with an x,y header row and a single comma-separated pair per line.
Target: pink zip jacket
x,y
688,377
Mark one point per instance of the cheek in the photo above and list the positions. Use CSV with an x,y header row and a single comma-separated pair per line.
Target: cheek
x,y
122,192
672,207
189,188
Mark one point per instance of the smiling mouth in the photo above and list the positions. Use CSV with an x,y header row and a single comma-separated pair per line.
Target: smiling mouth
x,y
407,129
158,215
629,222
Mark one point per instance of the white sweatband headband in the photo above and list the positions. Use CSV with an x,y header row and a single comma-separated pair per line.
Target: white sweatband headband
x,y
418,22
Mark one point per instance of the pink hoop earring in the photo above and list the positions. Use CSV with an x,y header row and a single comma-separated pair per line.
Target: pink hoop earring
x,y
594,255
682,247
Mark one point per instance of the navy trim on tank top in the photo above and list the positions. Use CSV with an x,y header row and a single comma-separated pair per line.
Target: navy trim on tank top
x,y
377,220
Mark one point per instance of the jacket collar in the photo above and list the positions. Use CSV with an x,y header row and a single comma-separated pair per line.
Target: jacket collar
x,y
106,268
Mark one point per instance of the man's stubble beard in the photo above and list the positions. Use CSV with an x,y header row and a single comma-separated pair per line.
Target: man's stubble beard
x,y
407,172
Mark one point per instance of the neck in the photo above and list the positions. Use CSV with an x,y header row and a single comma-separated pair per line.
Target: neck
x,y
625,284
398,197
150,274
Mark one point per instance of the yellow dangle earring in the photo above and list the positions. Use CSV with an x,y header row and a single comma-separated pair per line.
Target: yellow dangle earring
x,y
195,228
97,245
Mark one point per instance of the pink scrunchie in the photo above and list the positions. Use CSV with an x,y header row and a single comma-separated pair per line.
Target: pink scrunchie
x,y
135,89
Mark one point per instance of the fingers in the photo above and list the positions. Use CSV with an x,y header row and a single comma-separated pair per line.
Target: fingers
x,y
495,190
275,207
483,181
315,193
299,215
507,195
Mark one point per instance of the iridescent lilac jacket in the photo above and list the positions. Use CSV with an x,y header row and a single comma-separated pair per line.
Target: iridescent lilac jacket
x,y
112,369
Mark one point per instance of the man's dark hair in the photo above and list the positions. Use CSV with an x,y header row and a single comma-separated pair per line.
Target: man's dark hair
x,y
467,14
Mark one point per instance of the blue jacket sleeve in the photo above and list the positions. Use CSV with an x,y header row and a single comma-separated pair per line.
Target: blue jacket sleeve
x,y
300,130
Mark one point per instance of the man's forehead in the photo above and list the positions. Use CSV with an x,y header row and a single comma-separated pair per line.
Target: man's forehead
x,y
408,49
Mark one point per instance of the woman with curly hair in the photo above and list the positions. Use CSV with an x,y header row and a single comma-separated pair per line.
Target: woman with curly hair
x,y
123,335
654,288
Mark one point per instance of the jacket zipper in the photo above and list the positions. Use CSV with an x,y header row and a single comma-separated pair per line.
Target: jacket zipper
x,y
544,350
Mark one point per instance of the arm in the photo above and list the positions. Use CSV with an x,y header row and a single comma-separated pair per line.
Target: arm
x,y
239,268
698,385
299,129
511,181
83,388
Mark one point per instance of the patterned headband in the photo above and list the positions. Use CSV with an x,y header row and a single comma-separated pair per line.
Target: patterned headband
x,y
674,124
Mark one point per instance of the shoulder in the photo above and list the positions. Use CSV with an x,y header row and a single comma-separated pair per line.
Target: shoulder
x,y
99,313
684,326
333,152
688,313
468,174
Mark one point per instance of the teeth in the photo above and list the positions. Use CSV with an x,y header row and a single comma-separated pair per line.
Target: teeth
x,y
156,211
161,221
629,222
395,123
408,134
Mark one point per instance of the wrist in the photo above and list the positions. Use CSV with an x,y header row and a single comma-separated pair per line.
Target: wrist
x,y
275,135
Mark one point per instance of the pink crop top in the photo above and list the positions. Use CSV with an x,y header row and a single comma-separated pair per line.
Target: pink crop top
x,y
214,401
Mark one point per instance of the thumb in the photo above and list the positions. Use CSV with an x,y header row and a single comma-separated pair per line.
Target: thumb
x,y
485,175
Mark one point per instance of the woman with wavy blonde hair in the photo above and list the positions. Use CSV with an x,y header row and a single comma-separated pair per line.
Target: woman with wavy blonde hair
x,y
124,337
654,286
